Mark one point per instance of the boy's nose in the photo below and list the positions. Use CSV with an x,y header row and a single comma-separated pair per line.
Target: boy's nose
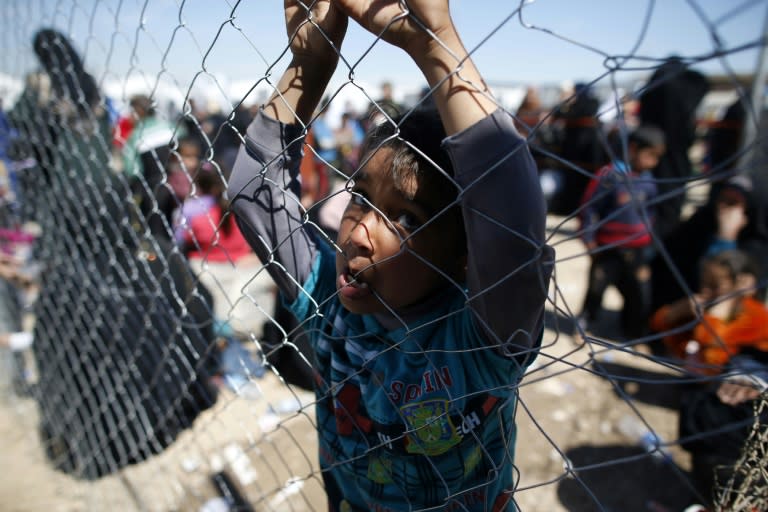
x,y
361,237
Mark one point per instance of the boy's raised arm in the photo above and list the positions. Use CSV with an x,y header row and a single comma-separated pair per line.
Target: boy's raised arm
x,y
314,43
509,263
264,187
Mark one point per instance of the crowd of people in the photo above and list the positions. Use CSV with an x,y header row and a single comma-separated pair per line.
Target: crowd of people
x,y
693,285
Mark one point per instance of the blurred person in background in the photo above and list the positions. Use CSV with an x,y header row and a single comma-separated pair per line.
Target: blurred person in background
x,y
724,139
148,158
734,218
715,422
382,108
227,136
530,112
149,133
723,318
15,283
349,136
616,219
121,361
534,123
669,101
32,116
222,259
61,117
579,148
720,337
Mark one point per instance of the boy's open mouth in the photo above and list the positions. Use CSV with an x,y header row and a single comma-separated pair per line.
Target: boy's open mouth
x,y
351,286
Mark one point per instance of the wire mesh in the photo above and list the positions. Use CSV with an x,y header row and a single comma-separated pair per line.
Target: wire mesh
x,y
166,373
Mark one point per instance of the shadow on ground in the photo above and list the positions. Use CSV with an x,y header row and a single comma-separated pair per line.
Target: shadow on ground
x,y
607,325
622,478
652,388
661,388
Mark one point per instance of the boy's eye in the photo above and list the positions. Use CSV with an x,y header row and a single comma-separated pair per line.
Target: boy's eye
x,y
358,199
408,221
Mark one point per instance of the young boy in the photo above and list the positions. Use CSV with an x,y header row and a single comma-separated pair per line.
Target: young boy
x,y
615,218
732,320
427,309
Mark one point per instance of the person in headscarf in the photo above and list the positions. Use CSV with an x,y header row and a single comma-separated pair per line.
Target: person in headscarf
x,y
725,139
60,117
669,101
581,151
69,79
123,330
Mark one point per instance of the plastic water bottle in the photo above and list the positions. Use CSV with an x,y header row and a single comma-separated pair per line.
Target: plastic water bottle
x,y
631,426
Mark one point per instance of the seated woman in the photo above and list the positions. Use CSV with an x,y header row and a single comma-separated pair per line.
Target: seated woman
x,y
219,255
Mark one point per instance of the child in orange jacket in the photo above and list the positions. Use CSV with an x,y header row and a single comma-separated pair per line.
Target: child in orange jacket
x,y
724,317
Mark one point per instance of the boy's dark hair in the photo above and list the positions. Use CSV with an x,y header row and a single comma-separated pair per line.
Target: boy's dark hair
x,y
192,141
647,136
144,103
736,262
209,182
415,139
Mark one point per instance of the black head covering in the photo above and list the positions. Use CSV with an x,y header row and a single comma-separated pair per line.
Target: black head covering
x,y
670,99
63,64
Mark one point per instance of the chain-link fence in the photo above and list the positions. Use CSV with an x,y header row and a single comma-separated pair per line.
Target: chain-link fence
x,y
204,309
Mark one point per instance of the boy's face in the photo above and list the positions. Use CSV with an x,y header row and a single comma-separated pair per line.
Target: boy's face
x,y
190,156
386,234
716,281
645,159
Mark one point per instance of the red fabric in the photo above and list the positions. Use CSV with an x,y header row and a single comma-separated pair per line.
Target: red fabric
x,y
214,244
314,178
623,235
624,229
593,184
122,131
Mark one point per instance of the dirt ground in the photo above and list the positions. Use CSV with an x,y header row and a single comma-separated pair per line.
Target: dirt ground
x,y
571,453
